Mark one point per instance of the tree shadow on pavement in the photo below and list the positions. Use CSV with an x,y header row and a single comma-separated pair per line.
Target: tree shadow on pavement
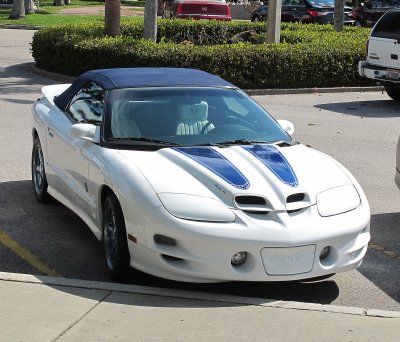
x,y
367,109
381,265
20,78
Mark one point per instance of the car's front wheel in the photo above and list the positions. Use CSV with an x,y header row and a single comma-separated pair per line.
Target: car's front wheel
x,y
256,18
393,90
115,239
39,180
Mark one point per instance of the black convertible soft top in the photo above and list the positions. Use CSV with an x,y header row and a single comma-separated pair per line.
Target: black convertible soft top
x,y
140,77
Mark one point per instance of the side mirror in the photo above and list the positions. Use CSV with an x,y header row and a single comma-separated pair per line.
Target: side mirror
x,y
287,126
86,131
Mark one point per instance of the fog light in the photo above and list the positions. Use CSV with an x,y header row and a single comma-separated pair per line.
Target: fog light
x,y
238,258
324,253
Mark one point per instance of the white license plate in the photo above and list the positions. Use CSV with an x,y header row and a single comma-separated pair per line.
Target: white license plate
x,y
288,260
392,74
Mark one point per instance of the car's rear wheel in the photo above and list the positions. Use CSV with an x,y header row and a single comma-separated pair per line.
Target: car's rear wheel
x,y
393,90
256,18
114,239
39,180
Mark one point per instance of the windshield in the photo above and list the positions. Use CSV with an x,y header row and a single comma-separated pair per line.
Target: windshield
x,y
187,116
322,3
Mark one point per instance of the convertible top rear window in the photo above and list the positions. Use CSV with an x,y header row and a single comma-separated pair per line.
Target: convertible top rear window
x,y
188,116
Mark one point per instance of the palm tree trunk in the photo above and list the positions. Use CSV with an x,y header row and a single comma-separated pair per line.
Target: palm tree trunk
x,y
18,9
112,18
150,20
338,15
29,7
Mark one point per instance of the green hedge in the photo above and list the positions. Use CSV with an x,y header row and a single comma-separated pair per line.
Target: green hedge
x,y
308,56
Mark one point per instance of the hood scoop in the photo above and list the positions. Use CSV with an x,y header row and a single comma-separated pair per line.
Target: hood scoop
x,y
253,204
296,202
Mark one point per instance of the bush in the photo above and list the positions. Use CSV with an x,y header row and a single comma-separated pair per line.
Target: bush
x,y
309,55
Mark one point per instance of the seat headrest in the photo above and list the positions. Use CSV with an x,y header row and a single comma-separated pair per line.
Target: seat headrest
x,y
195,112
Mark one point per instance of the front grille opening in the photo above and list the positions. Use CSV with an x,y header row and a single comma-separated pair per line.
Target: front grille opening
x,y
295,198
256,212
250,200
294,211
171,258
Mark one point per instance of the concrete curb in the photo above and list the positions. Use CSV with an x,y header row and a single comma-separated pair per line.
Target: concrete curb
x,y
20,27
251,92
211,297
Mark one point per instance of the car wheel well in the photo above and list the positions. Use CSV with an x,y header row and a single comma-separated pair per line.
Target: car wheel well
x,y
105,191
35,134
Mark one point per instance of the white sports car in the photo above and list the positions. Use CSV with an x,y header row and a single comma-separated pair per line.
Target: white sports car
x,y
184,176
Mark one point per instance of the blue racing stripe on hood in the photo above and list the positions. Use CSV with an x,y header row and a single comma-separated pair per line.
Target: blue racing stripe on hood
x,y
274,160
216,163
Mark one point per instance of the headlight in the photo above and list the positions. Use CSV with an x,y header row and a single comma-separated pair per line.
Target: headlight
x,y
197,208
338,200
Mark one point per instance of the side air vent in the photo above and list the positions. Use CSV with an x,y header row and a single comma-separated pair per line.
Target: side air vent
x,y
296,202
253,204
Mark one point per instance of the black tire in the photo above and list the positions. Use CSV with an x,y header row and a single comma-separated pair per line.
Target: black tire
x,y
38,172
256,18
393,90
115,244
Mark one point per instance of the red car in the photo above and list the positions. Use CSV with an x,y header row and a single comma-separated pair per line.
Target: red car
x,y
196,9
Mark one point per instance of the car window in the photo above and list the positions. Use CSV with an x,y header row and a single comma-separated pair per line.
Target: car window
x,y
88,104
188,116
322,3
382,3
388,26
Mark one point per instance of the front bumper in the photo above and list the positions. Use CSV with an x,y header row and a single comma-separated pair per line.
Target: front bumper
x,y
291,242
329,20
204,17
375,72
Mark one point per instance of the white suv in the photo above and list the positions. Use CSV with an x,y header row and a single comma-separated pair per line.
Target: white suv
x,y
383,54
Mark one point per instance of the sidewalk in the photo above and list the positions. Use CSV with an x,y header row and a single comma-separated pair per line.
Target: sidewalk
x,y
57,309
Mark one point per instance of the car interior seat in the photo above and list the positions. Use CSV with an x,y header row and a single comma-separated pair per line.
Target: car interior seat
x,y
123,124
193,119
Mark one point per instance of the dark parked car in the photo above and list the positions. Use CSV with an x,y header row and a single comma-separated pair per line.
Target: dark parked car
x,y
304,11
368,13
196,9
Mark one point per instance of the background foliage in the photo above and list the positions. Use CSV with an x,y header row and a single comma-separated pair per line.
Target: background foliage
x,y
308,56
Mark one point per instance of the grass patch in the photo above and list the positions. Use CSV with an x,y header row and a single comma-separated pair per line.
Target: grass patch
x,y
48,20
48,15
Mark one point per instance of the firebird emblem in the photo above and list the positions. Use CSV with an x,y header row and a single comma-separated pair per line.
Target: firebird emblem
x,y
204,8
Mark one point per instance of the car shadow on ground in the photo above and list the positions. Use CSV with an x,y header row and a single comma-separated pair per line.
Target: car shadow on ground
x,y
367,109
64,242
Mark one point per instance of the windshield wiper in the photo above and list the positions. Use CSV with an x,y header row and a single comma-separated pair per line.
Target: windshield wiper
x,y
235,142
155,141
